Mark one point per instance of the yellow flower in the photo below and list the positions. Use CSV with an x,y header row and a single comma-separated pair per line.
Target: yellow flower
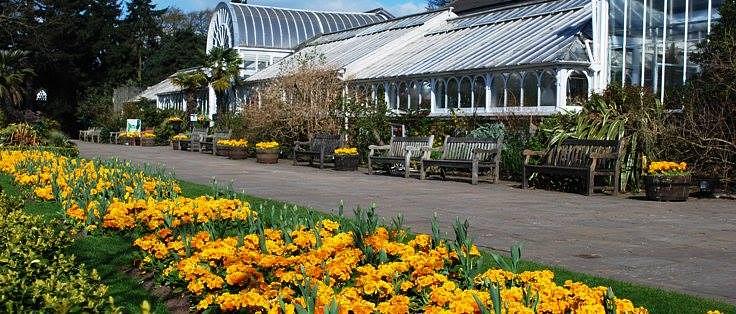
x,y
267,145
346,151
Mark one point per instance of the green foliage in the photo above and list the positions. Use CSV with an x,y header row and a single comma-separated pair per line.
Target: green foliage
x,y
14,76
489,131
631,114
369,124
36,276
224,66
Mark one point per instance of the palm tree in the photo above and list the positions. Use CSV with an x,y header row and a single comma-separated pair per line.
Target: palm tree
x,y
191,82
14,76
224,65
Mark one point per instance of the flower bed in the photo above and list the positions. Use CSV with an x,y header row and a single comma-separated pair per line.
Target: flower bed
x,y
35,276
233,258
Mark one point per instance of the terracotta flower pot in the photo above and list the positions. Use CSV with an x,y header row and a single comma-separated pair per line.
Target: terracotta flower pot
x,y
267,156
237,153
667,188
346,163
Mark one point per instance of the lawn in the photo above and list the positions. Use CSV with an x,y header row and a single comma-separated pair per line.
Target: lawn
x,y
113,255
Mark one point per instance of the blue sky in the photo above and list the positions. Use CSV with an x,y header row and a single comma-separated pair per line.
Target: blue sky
x,y
396,7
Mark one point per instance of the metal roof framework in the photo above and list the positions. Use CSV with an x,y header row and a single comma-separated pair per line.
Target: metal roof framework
x,y
534,35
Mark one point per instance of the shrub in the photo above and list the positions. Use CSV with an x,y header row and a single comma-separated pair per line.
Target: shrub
x,y
35,275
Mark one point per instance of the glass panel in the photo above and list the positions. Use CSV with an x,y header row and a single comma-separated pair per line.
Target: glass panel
x,y
452,90
466,92
479,92
426,95
392,96
439,94
530,89
380,93
577,88
403,96
549,89
267,32
414,97
513,90
497,90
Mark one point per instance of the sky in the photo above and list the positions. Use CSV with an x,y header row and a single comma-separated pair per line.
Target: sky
x,y
396,7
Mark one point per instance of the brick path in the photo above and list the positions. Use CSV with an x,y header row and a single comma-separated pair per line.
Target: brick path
x,y
688,247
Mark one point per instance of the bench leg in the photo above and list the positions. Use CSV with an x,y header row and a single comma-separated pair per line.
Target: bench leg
x,y
370,166
475,173
407,164
616,182
591,184
524,179
496,173
422,172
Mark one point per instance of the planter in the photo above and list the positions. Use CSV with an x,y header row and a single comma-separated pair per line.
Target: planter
x,y
223,151
267,156
148,142
175,145
132,141
346,163
237,153
667,188
184,145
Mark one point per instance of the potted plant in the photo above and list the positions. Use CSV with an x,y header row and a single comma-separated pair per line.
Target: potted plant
x,y
177,139
148,139
667,181
234,149
267,152
130,138
346,159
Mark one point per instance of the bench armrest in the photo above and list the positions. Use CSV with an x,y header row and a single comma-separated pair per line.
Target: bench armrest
x,y
374,148
529,153
299,143
431,149
604,156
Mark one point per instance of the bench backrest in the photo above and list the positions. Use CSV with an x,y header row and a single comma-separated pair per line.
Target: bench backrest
x,y
330,142
575,153
461,148
198,134
222,135
398,146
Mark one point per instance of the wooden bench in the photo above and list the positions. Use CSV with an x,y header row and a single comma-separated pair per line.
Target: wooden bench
x,y
321,147
466,153
401,150
196,138
209,144
586,159
90,135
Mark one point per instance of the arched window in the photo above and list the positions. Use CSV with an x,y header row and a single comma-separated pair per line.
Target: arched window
x,y
479,92
393,96
414,97
497,91
577,88
530,89
425,93
439,94
513,90
466,92
548,87
380,93
452,90
403,96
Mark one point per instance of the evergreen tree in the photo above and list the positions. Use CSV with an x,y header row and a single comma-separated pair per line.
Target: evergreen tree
x,y
143,28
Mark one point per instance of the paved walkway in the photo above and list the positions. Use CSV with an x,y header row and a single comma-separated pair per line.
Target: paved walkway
x,y
688,247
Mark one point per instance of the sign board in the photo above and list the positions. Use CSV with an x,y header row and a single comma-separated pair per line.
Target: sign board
x,y
193,117
133,125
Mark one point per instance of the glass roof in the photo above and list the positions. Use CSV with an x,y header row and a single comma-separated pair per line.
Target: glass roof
x,y
281,28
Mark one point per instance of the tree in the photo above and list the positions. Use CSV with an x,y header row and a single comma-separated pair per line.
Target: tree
x,y
142,25
224,66
14,76
192,82
437,4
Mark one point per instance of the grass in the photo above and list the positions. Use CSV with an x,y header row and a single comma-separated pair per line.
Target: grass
x,y
110,254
